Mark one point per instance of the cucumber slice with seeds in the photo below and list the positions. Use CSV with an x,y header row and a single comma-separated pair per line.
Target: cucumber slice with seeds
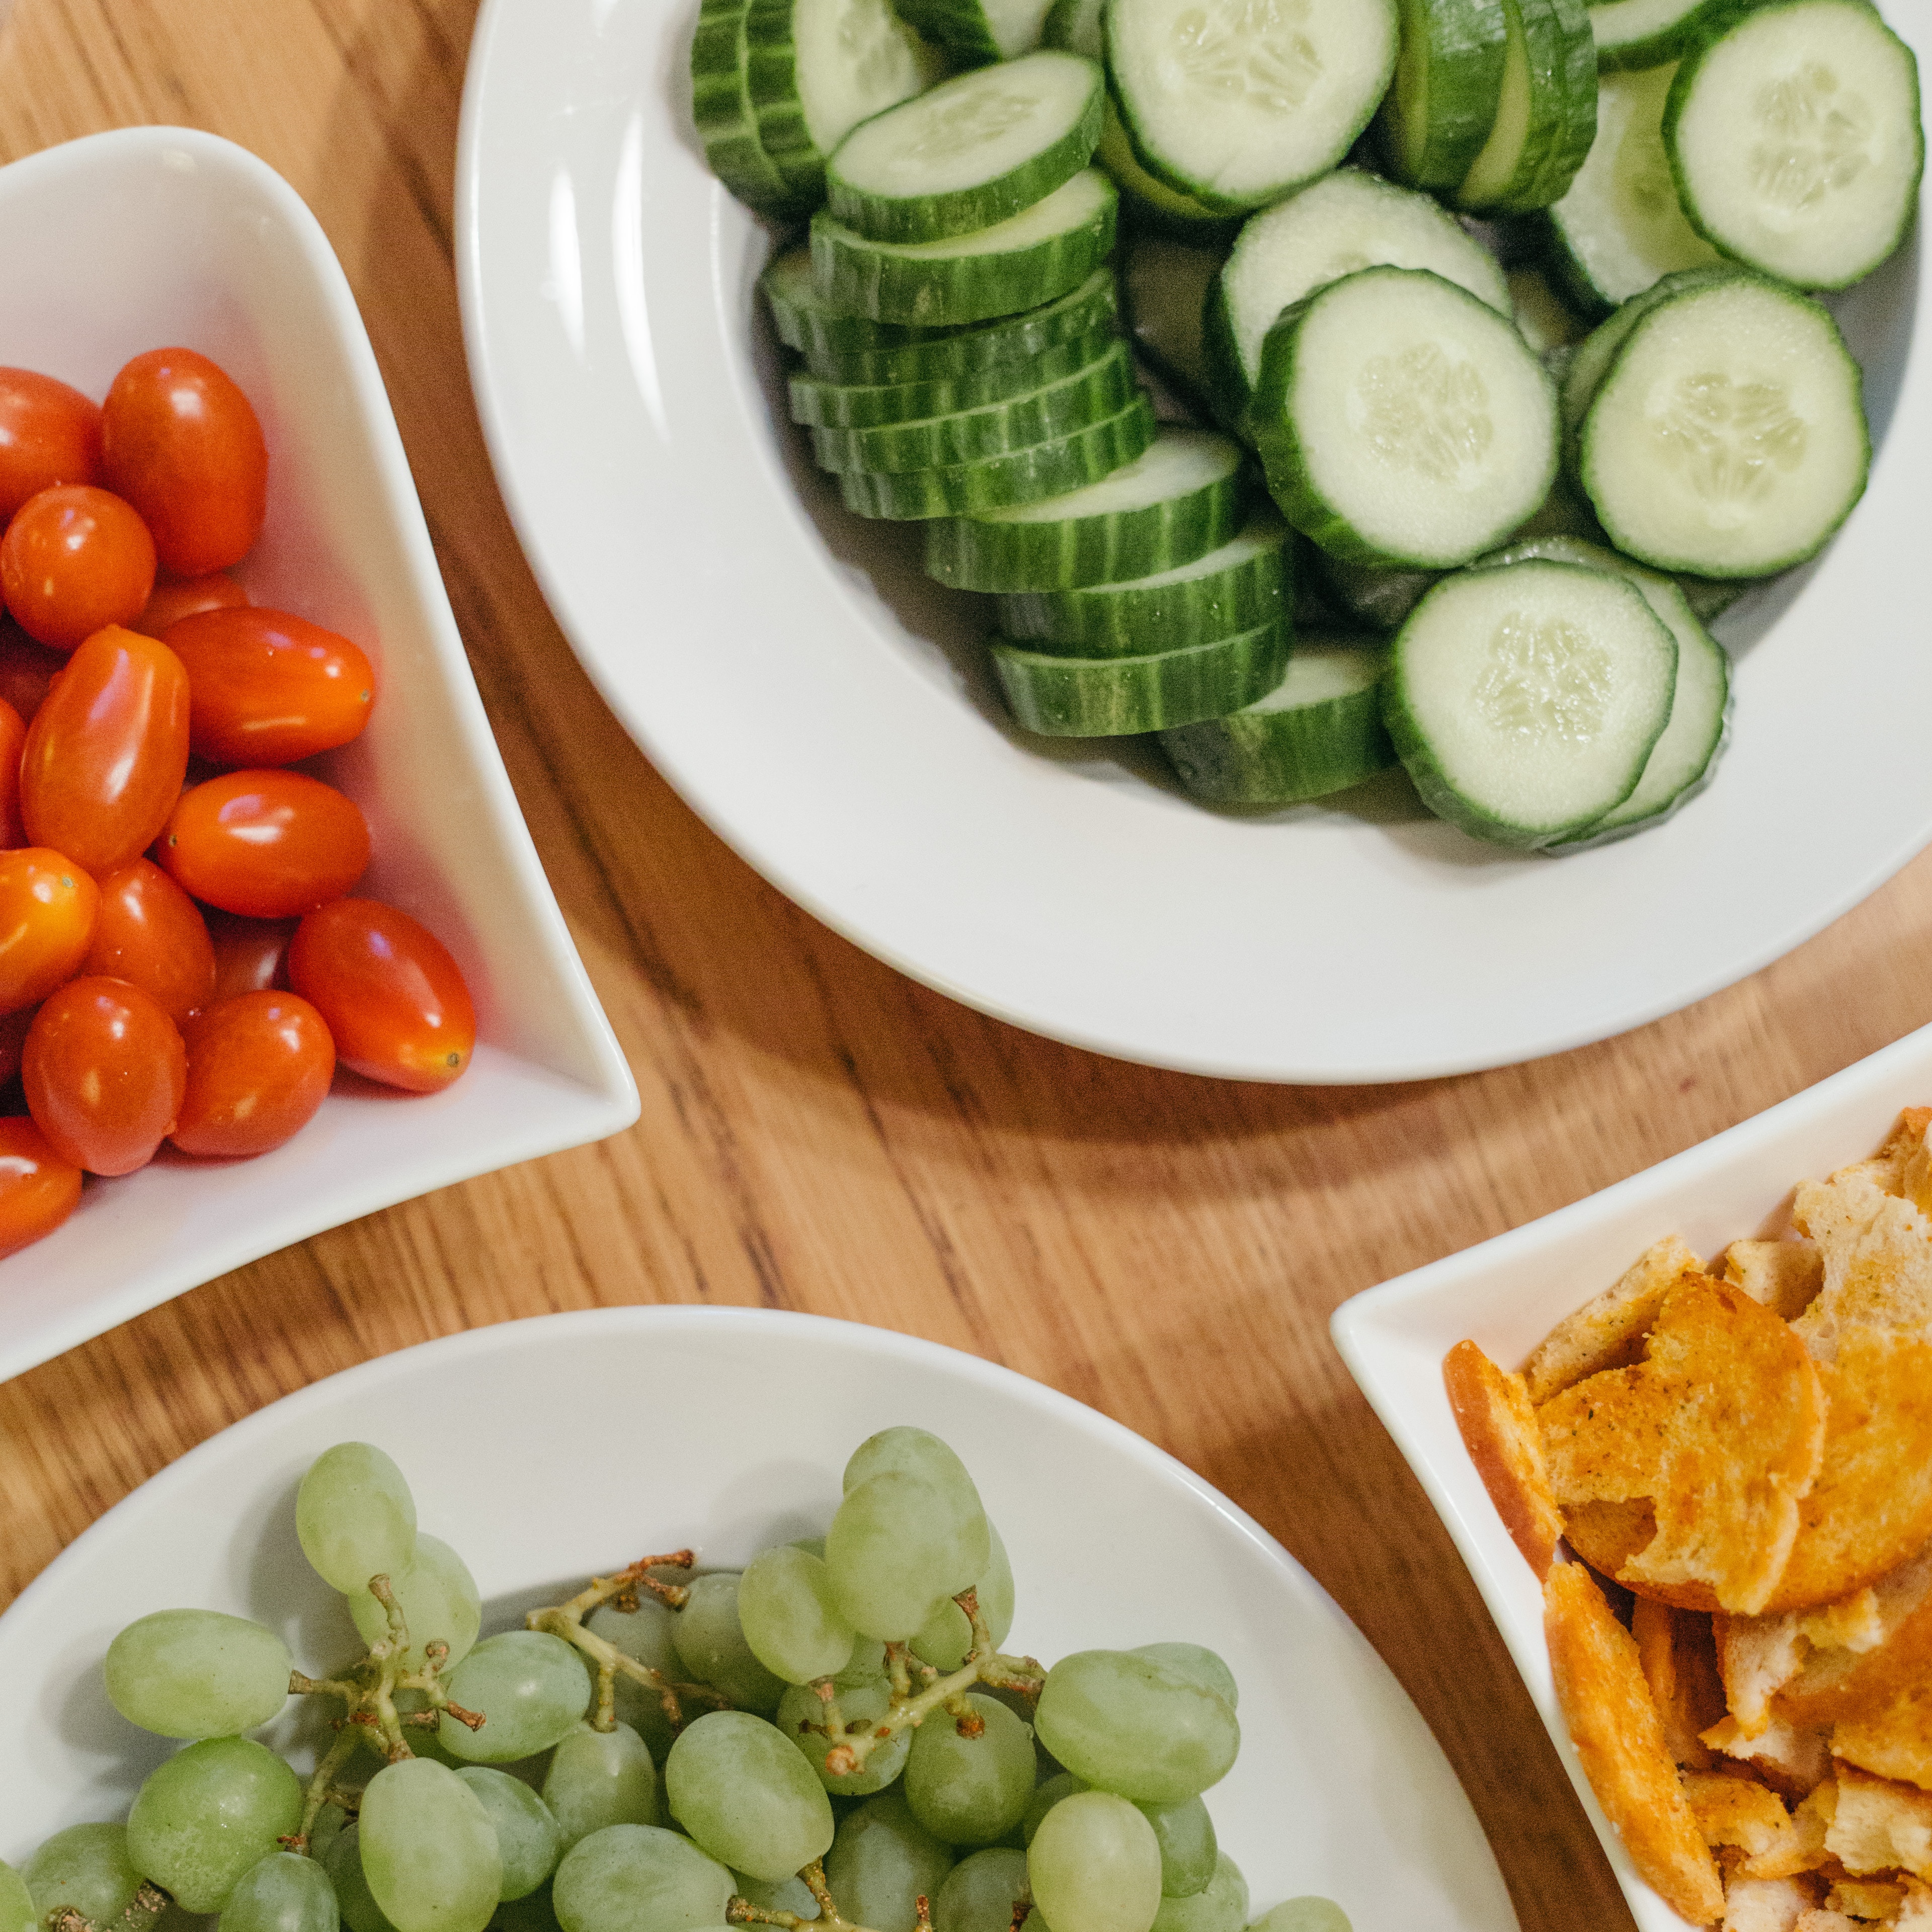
x,y
1636,34
969,152
1593,355
726,121
1164,284
1151,202
826,405
979,30
1546,118
1437,116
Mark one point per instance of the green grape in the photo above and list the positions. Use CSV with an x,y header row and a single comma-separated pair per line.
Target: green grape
x,y
429,1850
639,1878
88,1868
355,1516
1046,1795
343,1862
785,1894
981,1893
210,1812
1197,1661
528,1840
16,1902
1094,1866
645,1634
711,1644
897,1546
330,1822
1188,1847
746,1796
197,1674
532,1689
1133,1725
532,1913
912,1452
437,1597
1308,1914
947,1636
863,1704
285,1892
1221,1906
786,1611
425,1740
868,1665
597,1778
812,1546
970,1791
880,1862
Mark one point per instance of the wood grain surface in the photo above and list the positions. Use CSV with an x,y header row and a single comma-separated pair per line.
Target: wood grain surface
x,y
819,1133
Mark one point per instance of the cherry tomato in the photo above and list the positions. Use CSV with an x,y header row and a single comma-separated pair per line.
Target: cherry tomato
x,y
27,670
269,688
150,933
12,1038
106,755
48,907
12,736
74,559
268,844
258,1067
176,598
181,443
104,1071
49,434
391,995
38,1189
251,955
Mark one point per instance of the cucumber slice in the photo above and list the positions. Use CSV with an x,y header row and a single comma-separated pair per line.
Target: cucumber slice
x,y
1152,203
971,152
1074,24
1109,697
1543,318
1181,500
1594,353
1027,260
726,121
1022,476
1403,422
1633,34
1795,137
1524,701
1546,118
1728,437
1350,221
1448,84
1380,598
1164,284
1234,103
1058,409
1319,731
979,30
826,405
1247,582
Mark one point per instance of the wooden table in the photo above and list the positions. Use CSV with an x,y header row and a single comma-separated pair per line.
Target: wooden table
x,y
819,1133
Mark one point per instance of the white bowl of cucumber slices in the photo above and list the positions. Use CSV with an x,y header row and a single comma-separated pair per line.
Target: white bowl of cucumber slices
x,y
1133,823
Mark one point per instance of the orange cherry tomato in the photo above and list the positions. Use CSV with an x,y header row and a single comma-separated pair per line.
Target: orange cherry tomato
x,y
176,598
251,955
180,441
38,1189
391,995
150,933
12,1038
74,559
104,1072
269,688
48,907
258,1067
106,754
267,845
49,434
27,670
12,736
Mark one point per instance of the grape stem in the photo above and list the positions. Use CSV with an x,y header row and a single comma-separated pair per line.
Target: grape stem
x,y
742,1912
142,1909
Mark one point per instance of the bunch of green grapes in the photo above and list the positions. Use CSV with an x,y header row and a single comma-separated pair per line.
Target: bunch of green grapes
x,y
874,1764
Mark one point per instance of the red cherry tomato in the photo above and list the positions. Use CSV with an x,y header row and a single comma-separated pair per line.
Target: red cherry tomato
x,y
176,598
258,1067
269,688
48,907
106,753
251,955
392,997
104,1072
27,670
38,1189
12,736
181,443
12,1038
74,559
267,845
48,434
150,933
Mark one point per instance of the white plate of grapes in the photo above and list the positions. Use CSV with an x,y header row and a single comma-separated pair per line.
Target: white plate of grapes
x,y
607,1669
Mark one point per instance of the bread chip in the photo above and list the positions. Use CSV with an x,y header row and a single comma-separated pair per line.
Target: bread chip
x,y
1720,1426
1608,1332
1680,1665
1916,1908
1756,1657
1803,1850
1607,1535
1879,1825
1840,1682
1499,1430
1821,1921
1877,1253
1619,1738
1892,1167
1741,1812
1865,1898
1767,1904
1785,1276
1793,1761
1893,1741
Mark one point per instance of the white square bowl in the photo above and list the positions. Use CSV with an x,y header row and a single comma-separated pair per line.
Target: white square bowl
x,y
153,236
1508,1294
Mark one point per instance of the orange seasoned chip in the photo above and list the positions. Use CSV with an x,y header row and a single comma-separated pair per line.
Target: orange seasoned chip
x,y
1784,1276
1789,1759
1680,1665
1866,1898
1739,1811
1893,1741
1803,1850
1607,1535
1500,1432
1768,1904
1837,1683
1879,1826
1890,1167
1619,1738
1877,1253
1608,1332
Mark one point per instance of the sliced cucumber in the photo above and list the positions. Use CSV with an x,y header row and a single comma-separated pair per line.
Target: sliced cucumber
x,y
1247,582
1151,203
1020,263
1057,409
1586,367
1074,24
1543,318
722,111
979,30
1727,437
1181,499
1448,84
1403,422
1022,476
1109,697
1348,222
1234,103
1380,598
971,152
1524,701
1546,117
1319,731
860,406
1164,284
1633,34
1795,137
